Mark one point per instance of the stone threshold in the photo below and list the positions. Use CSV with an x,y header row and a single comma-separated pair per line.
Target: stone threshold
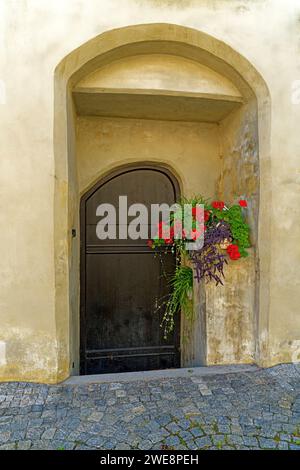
x,y
160,374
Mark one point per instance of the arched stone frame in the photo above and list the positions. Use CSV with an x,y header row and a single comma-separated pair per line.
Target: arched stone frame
x,y
111,45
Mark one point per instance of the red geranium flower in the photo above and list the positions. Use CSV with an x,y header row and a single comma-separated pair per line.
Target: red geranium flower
x,y
232,248
234,256
206,215
218,205
233,252
195,234
243,203
197,214
162,229
165,232
170,240
200,216
150,243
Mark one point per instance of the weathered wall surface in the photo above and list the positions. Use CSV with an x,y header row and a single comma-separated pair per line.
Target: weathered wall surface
x,y
190,149
36,36
239,153
229,315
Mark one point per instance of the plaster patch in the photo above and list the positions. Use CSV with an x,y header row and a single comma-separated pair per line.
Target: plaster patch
x,y
295,347
2,353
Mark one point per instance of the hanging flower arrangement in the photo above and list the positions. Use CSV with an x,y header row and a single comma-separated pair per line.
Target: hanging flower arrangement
x,y
224,235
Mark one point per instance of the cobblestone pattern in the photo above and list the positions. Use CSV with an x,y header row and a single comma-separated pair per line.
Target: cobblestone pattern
x,y
249,410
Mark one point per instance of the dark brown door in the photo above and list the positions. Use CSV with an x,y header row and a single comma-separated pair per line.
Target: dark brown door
x,y
122,282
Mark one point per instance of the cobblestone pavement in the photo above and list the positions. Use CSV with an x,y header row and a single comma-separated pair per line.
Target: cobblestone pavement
x,y
246,410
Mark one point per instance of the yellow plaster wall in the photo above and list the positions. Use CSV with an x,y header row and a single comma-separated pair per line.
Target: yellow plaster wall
x,y
160,71
190,149
36,36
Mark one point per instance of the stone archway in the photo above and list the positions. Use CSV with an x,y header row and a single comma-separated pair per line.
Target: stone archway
x,y
188,44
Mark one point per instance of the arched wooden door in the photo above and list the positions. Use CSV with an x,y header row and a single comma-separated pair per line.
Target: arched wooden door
x,y
122,281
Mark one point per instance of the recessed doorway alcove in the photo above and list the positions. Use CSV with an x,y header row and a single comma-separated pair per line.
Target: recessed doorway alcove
x,y
166,96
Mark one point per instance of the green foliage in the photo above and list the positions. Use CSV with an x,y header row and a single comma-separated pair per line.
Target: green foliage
x,y
232,215
196,199
221,223
238,227
180,297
